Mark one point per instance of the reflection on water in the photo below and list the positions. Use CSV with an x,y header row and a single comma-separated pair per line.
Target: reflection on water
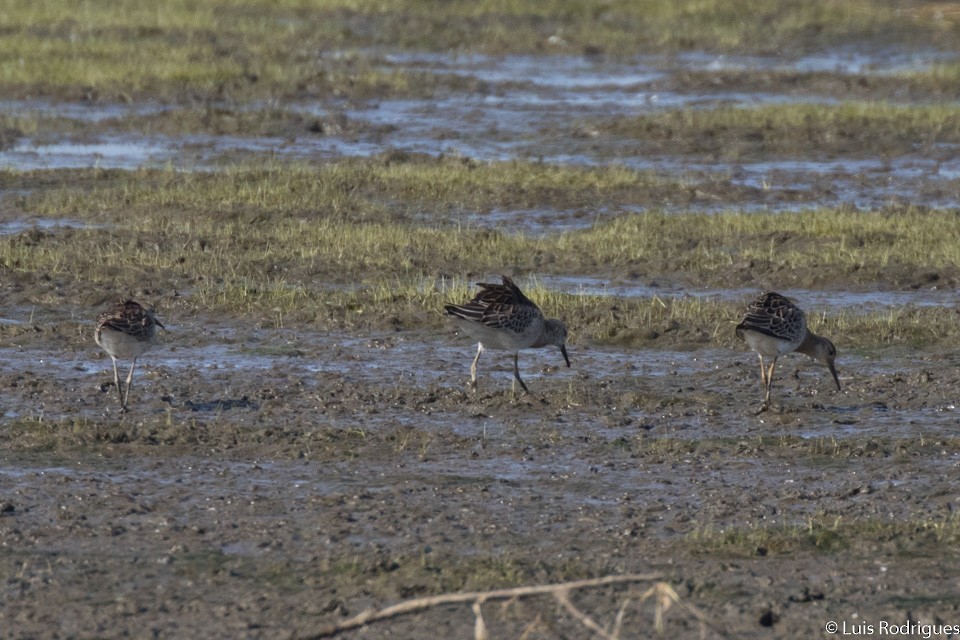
x,y
525,107
12,227
849,301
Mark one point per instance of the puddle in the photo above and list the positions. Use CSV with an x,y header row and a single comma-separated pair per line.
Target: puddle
x,y
321,381
864,183
87,112
186,153
524,109
210,358
12,227
845,60
566,72
111,152
925,181
847,301
868,421
536,221
410,361
556,72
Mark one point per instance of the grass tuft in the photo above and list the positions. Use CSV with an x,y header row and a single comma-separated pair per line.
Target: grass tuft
x,y
375,242
256,49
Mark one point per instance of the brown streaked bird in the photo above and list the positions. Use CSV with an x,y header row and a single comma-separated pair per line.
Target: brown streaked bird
x,y
126,331
500,316
774,326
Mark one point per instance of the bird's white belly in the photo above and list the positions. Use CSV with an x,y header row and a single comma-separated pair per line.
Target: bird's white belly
x,y
768,346
121,345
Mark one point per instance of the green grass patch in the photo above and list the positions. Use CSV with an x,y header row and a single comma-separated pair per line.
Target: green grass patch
x,y
827,449
828,535
40,128
768,539
351,210
860,128
436,573
240,49
374,243
382,189
936,82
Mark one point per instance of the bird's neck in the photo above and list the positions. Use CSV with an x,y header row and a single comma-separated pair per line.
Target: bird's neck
x,y
809,345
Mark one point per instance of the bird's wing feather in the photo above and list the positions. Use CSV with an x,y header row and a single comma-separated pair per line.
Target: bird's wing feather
x,y
496,306
127,317
772,314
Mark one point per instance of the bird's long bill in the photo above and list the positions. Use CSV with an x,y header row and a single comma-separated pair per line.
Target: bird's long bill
x,y
563,350
836,378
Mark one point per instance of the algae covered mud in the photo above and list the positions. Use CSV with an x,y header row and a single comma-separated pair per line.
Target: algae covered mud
x,y
300,188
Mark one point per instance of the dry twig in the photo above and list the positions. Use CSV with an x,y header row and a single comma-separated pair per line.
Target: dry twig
x,y
664,597
563,597
559,591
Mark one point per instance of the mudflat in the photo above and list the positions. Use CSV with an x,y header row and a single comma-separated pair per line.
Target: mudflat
x,y
301,444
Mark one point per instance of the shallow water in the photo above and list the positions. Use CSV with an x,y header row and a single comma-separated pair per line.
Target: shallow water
x,y
185,153
833,301
848,60
88,111
359,448
587,71
214,374
525,107
336,461
12,227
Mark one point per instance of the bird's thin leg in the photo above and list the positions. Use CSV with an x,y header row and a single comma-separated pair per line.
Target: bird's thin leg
x,y
116,381
763,372
473,367
516,371
126,395
773,365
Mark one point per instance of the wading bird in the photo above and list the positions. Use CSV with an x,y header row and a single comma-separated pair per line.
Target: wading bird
x,y
774,326
500,316
126,331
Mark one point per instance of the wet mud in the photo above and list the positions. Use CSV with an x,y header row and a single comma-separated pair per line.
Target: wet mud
x,y
270,481
288,478
552,108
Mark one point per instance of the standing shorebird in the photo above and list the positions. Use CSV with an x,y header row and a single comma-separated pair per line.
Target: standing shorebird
x,y
774,326
126,330
501,317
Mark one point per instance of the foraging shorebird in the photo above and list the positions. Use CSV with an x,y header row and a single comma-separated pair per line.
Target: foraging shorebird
x,y
774,326
500,316
126,330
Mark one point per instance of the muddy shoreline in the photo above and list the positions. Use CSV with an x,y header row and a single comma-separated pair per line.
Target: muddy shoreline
x,y
295,478
301,444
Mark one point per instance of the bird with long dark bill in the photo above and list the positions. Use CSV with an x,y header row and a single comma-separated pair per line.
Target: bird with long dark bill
x,y
500,316
774,326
